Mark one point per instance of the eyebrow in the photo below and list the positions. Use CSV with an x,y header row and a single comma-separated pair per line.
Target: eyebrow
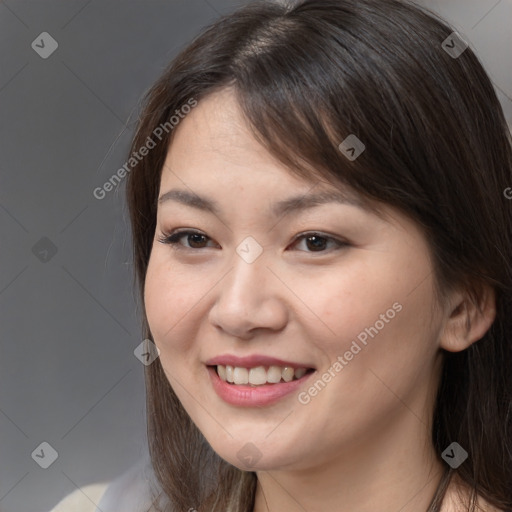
x,y
284,207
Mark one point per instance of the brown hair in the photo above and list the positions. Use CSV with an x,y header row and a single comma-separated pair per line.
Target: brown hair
x,y
438,148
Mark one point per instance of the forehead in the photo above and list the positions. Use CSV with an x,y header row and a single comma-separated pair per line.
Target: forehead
x,y
214,144
215,138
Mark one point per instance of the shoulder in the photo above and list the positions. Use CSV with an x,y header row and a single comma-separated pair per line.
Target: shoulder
x,y
82,500
136,490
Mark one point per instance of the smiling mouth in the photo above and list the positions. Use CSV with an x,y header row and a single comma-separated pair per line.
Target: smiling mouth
x,y
259,375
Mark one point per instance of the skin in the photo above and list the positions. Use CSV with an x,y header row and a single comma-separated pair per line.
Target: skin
x,y
362,443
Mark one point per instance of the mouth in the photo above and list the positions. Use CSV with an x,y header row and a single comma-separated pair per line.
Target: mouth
x,y
259,375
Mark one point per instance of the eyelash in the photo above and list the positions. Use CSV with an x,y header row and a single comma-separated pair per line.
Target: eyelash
x,y
173,239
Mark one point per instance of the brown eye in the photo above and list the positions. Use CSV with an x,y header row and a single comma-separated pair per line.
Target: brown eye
x,y
195,240
316,242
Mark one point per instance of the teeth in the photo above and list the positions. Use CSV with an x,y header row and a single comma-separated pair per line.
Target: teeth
x,y
288,374
300,372
240,376
259,375
222,372
274,374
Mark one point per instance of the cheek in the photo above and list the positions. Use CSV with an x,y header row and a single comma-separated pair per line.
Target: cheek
x,y
168,297
170,305
389,358
351,299
384,305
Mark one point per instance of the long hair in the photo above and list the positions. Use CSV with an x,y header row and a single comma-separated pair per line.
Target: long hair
x,y
307,74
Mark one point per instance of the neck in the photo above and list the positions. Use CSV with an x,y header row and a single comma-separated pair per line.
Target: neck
x,y
391,469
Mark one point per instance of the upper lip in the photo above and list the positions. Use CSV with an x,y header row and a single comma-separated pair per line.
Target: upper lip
x,y
253,361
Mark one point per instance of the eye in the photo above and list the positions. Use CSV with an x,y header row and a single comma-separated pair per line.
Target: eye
x,y
313,241
318,242
195,239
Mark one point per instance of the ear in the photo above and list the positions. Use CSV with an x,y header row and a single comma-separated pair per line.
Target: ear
x,y
468,321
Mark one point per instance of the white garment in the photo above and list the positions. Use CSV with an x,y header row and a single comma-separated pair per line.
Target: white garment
x,y
82,500
133,491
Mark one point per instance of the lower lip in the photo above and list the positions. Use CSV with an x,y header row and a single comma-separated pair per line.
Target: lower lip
x,y
254,396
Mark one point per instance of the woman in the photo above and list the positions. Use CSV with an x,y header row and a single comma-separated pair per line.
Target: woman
x,y
323,246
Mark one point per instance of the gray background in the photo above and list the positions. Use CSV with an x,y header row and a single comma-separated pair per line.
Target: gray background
x,y
68,308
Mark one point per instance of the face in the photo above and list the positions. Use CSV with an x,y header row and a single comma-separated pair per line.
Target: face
x,y
328,295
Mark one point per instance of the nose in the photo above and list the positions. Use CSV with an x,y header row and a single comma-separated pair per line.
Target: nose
x,y
249,298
